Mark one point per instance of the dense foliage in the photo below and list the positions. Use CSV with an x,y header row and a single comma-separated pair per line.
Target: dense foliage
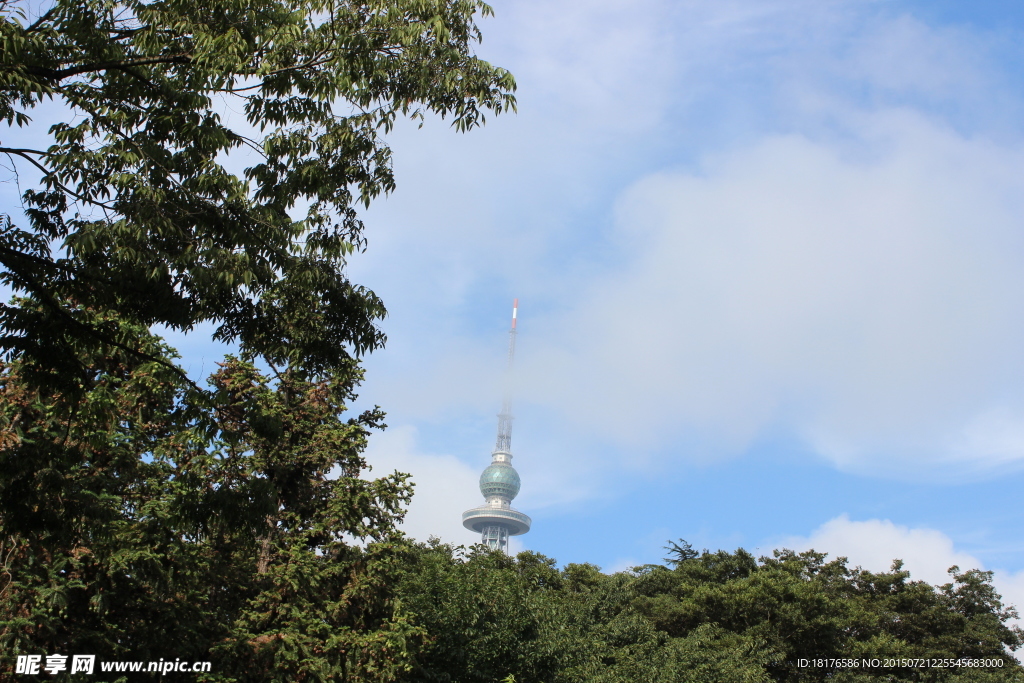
x,y
205,168
713,617
134,529
138,211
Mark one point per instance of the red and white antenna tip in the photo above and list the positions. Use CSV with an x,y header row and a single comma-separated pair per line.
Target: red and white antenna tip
x,y
515,307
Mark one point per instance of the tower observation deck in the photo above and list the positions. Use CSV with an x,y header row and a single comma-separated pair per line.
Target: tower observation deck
x,y
495,520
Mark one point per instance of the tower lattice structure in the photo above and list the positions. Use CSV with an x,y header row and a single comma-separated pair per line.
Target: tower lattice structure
x,y
496,520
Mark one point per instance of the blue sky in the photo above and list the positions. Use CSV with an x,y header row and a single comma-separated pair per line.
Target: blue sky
x,y
767,256
768,260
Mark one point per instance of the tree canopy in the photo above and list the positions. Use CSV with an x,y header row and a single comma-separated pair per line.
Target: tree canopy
x,y
709,617
138,210
138,527
207,166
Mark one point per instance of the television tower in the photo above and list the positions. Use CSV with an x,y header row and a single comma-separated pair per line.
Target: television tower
x,y
495,520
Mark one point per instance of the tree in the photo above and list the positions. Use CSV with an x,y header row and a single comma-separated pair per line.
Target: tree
x,y
769,613
143,516
711,617
486,616
138,527
137,212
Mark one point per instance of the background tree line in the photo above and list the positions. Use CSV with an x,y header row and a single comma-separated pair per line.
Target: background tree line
x,y
714,617
145,514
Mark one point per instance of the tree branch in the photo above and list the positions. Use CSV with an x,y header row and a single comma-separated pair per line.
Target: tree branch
x,y
34,26
48,300
24,154
61,74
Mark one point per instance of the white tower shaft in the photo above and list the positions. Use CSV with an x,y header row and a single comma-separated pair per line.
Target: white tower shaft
x,y
504,441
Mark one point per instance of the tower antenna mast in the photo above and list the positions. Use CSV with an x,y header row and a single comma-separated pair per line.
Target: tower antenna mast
x,y
504,442
496,520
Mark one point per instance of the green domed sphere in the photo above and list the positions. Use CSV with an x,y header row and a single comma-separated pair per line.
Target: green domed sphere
x,y
499,479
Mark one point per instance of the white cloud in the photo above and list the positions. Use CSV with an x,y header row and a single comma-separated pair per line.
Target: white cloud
x,y
873,544
864,297
445,486
852,283
905,55
926,553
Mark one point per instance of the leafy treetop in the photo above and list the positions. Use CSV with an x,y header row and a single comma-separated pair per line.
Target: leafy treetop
x,y
138,211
